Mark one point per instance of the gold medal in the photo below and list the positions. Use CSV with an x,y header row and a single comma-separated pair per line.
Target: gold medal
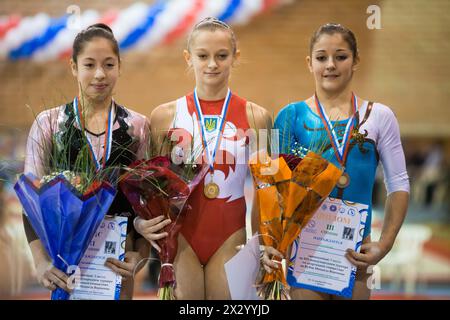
x,y
211,190
343,181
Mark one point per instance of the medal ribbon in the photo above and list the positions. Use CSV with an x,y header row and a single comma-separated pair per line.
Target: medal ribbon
x,y
340,149
108,134
221,126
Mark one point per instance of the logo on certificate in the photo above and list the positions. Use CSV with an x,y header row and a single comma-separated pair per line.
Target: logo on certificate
x,y
110,247
348,233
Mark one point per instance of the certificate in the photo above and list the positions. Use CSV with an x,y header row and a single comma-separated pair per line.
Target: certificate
x,y
98,282
241,280
318,259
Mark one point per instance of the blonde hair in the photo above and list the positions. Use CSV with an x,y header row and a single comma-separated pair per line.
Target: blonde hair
x,y
212,24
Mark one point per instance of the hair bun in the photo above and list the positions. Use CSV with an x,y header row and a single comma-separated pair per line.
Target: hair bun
x,y
100,30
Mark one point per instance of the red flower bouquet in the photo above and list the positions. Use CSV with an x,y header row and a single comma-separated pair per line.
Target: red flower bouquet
x,y
159,187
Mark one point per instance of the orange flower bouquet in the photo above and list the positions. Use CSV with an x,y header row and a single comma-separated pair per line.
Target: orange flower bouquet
x,y
289,190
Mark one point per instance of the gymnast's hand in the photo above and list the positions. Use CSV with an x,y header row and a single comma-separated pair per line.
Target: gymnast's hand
x,y
149,229
268,253
51,277
371,253
125,268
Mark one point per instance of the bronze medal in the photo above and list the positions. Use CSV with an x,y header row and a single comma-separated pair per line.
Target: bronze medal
x,y
341,148
343,181
211,190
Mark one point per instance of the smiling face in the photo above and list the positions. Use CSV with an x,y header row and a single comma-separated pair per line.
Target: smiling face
x,y
96,69
211,55
332,63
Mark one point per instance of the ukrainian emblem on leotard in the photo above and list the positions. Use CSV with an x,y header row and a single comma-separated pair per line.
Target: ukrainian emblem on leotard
x,y
210,124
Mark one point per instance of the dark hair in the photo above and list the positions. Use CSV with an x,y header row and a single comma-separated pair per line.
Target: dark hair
x,y
211,24
96,30
332,28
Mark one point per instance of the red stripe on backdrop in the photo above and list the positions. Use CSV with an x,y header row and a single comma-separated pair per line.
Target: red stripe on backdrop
x,y
12,22
65,54
439,247
188,20
108,18
268,4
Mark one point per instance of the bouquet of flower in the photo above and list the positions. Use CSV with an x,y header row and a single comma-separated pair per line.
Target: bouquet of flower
x,y
68,201
290,189
160,187
63,215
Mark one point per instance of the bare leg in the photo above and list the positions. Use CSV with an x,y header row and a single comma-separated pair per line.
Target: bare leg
x,y
216,284
188,272
304,294
360,291
127,290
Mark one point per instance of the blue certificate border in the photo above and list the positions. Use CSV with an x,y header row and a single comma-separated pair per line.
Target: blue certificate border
x,y
123,237
347,292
